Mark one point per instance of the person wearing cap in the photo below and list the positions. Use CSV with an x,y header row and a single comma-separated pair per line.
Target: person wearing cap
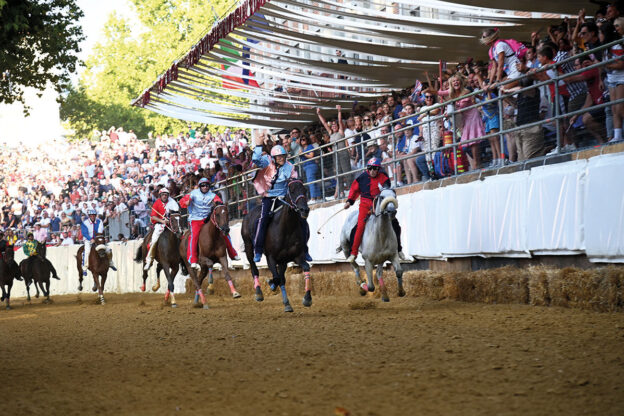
x,y
272,182
160,217
89,228
200,203
367,186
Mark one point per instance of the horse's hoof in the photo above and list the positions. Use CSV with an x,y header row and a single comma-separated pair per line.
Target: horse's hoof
x,y
206,307
94,289
154,288
8,308
80,288
385,298
363,289
46,301
401,292
210,289
371,288
174,305
287,307
37,295
307,299
259,295
236,295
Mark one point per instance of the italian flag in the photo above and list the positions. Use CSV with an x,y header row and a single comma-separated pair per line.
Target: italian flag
x,y
236,73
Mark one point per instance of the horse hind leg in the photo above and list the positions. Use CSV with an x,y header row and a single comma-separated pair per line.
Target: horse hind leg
x,y
101,288
210,289
255,273
169,296
281,268
398,269
159,267
363,287
382,285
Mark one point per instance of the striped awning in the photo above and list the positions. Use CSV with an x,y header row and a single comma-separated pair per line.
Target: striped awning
x,y
271,63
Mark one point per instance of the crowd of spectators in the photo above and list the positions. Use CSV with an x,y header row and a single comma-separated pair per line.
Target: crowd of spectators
x,y
48,190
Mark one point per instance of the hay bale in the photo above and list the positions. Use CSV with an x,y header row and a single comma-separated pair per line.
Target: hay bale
x,y
594,289
538,285
502,285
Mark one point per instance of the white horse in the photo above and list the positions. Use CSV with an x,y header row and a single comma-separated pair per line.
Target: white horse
x,y
379,243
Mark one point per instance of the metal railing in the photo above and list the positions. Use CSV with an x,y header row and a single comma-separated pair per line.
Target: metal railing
x,y
239,194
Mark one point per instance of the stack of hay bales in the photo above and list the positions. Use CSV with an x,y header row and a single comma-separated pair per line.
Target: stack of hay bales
x,y
600,289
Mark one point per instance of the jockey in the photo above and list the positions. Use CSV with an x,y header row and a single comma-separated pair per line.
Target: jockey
x,y
90,227
160,216
281,171
367,186
200,203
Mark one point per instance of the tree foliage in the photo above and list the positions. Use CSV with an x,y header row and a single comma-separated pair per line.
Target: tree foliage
x,y
38,45
129,59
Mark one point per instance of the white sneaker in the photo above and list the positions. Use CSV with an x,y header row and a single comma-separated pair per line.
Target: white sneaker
x,y
555,151
614,140
569,148
399,183
329,198
351,259
195,266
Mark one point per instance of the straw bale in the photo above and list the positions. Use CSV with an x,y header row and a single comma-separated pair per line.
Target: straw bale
x,y
538,285
502,285
594,289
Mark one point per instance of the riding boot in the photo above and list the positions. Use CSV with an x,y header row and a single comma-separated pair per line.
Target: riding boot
x,y
263,224
52,269
230,248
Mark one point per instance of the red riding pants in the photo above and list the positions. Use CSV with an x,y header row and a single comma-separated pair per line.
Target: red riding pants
x,y
365,207
192,248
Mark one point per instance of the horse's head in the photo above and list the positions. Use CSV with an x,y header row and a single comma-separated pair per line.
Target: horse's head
x,y
174,222
297,197
221,219
386,203
41,249
99,242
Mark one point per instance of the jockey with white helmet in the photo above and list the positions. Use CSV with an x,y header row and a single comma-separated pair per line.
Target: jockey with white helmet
x,y
280,171
89,228
160,217
200,203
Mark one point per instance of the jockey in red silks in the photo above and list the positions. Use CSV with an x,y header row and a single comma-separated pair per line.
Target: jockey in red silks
x,y
200,203
367,186
160,217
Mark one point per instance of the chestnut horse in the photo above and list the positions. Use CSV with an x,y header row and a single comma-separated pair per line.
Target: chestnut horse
x,y
98,266
167,256
211,250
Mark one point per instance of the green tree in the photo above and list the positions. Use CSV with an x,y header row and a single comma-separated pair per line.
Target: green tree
x,y
38,45
124,63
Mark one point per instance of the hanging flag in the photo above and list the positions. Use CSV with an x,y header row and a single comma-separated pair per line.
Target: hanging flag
x,y
235,72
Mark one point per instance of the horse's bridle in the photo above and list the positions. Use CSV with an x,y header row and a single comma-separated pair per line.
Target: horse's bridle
x,y
213,218
290,202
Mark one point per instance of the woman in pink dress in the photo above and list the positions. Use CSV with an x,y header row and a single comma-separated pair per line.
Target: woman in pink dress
x,y
473,125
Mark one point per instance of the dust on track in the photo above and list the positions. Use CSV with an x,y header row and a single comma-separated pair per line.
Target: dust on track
x,y
410,356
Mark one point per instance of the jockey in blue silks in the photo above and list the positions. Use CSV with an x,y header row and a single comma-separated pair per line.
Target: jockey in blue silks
x,y
282,171
89,228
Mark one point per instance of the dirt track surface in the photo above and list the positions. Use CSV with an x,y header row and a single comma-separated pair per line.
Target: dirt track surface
x,y
411,356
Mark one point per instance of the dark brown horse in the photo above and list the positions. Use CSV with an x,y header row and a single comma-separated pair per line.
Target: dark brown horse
x,y
37,269
211,250
9,270
286,241
167,256
98,265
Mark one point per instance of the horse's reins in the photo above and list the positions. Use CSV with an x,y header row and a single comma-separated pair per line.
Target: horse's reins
x,y
213,219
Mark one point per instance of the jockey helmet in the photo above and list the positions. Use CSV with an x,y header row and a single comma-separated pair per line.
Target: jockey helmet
x,y
278,150
163,191
203,180
30,235
374,162
91,212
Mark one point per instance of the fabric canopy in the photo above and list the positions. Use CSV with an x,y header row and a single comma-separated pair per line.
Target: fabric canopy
x,y
271,63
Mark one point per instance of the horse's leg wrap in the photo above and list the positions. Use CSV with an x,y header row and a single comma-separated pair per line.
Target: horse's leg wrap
x,y
167,294
201,296
306,278
231,284
256,281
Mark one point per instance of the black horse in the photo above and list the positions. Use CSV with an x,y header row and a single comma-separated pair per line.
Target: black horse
x,y
37,269
9,270
286,241
166,255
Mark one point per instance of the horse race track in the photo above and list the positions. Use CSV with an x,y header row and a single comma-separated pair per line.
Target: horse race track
x,y
412,356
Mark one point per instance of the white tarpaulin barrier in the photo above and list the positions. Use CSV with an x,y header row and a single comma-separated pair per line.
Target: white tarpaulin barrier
x,y
603,214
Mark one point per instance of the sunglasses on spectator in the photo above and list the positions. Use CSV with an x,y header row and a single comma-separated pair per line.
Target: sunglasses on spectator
x,y
428,96
367,119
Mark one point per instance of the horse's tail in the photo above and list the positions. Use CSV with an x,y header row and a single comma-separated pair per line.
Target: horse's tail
x,y
138,257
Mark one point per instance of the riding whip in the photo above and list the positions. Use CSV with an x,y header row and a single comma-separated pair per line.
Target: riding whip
x,y
328,219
